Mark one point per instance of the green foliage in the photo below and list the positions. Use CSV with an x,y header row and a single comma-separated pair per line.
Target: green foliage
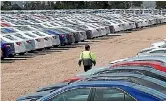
x,y
161,4
34,5
6,5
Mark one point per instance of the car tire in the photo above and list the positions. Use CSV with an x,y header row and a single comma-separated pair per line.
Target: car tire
x,y
21,53
11,55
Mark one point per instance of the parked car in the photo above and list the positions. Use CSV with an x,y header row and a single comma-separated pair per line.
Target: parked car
x,y
7,50
107,70
150,64
104,90
62,36
154,51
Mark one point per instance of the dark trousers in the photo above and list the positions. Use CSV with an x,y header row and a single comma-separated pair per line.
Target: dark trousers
x,y
86,68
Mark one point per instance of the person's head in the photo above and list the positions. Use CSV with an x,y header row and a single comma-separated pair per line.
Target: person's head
x,y
87,47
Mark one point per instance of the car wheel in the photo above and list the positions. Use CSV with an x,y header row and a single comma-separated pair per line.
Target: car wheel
x,y
39,49
11,55
2,58
21,53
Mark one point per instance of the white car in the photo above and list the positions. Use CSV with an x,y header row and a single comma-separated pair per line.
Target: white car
x,y
47,39
91,32
155,51
160,44
29,43
39,42
55,38
34,33
114,26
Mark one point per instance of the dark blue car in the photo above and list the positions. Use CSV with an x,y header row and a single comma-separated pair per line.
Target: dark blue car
x,y
99,90
7,50
105,91
62,37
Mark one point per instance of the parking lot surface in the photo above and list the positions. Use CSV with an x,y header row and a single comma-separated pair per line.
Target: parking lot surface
x,y
23,74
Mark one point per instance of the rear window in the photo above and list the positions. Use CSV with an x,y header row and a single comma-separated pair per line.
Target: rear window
x,y
9,37
37,33
33,36
135,80
24,28
20,36
37,26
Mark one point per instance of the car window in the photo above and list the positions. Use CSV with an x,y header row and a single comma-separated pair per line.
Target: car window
x,y
33,36
37,33
158,51
9,37
163,46
20,36
111,94
24,28
80,94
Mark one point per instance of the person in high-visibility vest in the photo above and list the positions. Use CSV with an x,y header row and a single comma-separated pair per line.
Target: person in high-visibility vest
x,y
88,58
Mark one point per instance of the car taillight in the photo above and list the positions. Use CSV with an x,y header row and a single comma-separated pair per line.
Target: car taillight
x,y
54,37
68,35
72,79
37,40
6,45
46,38
98,29
62,35
28,41
18,43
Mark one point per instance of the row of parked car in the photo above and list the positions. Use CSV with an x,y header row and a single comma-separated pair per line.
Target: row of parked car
x,y
138,78
22,33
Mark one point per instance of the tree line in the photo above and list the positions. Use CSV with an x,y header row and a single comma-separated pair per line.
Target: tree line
x,y
48,5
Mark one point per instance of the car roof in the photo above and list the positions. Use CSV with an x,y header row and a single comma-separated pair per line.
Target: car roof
x,y
159,85
150,71
139,62
158,49
159,58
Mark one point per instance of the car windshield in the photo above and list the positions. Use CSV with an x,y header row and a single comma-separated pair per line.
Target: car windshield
x,y
65,30
58,30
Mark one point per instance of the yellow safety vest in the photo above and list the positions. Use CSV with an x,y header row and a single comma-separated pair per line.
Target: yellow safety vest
x,y
87,55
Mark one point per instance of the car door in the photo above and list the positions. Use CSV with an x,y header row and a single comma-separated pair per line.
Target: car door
x,y
78,94
111,94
